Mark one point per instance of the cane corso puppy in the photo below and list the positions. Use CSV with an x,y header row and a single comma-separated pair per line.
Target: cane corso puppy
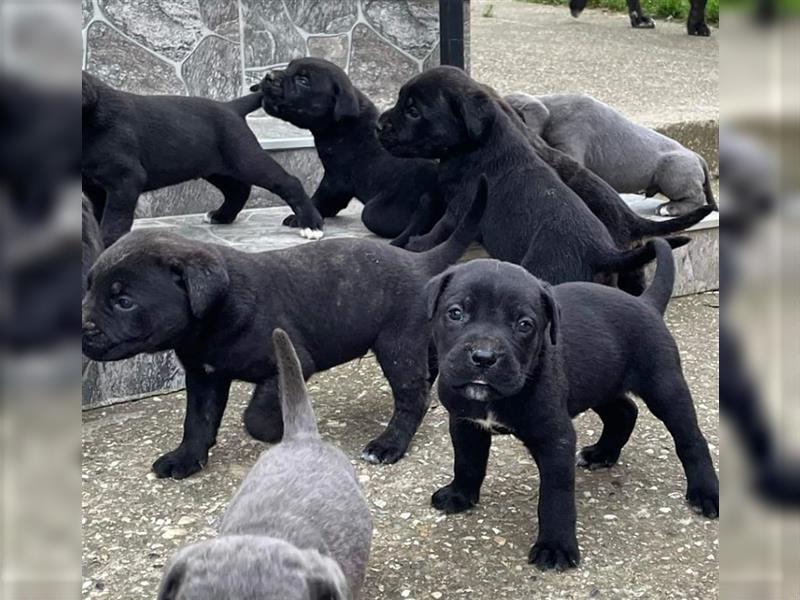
x,y
630,157
297,529
532,215
134,143
215,306
695,25
517,356
317,95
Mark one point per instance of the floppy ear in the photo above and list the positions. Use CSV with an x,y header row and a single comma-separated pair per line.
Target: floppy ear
x,y
434,289
346,102
204,276
172,581
553,312
476,110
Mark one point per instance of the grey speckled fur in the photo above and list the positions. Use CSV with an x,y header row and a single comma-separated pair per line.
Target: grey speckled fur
x,y
630,157
298,528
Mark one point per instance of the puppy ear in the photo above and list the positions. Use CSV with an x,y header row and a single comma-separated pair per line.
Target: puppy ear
x,y
171,584
346,105
476,110
434,289
205,278
553,311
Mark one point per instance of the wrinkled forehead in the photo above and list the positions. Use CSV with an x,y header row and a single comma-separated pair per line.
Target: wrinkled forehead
x,y
316,66
495,285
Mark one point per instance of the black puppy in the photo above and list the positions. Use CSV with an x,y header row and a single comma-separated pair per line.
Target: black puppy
x,y
317,95
532,216
133,144
216,306
521,357
695,25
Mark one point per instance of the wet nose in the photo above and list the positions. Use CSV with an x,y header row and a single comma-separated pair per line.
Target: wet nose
x,y
89,328
483,357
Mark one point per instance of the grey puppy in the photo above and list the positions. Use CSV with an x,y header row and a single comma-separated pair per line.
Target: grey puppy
x,y
297,529
629,157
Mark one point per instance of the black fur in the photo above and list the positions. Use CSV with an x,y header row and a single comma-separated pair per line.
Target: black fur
x,y
519,356
533,218
317,95
696,24
134,143
217,307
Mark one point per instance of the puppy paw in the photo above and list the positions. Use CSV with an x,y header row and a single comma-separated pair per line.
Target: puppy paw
x,y
265,428
699,29
642,21
290,221
558,556
675,209
451,500
215,217
417,244
704,502
178,464
311,234
594,457
385,452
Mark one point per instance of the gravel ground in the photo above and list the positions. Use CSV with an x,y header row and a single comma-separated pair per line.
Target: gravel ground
x,y
637,536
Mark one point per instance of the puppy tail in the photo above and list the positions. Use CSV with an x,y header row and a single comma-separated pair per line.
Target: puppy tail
x,y
660,290
246,104
636,258
445,254
709,193
647,228
298,415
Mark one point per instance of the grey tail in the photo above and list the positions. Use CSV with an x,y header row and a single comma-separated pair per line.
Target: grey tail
x,y
246,104
660,290
298,416
445,254
636,258
709,193
647,228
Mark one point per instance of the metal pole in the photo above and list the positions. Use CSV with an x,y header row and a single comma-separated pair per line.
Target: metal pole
x,y
451,31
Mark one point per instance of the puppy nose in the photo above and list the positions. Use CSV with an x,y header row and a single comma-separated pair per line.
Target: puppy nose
x,y
483,357
89,327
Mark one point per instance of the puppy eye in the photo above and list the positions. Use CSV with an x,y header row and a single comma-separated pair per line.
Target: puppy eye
x,y
525,325
123,302
412,111
303,80
455,314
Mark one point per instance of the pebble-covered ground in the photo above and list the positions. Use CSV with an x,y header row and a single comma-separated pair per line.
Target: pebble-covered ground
x,y
637,536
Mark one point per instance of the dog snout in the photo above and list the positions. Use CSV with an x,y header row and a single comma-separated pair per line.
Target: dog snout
x,y
89,328
483,357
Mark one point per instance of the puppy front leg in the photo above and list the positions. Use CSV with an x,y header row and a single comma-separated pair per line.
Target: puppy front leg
x,y
556,545
471,446
119,210
440,232
206,398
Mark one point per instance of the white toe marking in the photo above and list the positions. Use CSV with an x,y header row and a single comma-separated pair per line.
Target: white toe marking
x,y
316,234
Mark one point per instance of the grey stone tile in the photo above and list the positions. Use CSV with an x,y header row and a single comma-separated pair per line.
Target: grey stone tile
x,y
434,59
214,69
377,68
122,64
169,28
334,48
323,17
143,375
221,16
87,12
412,25
269,36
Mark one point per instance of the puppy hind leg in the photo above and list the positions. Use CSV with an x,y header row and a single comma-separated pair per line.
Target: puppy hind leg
x,y
680,178
471,445
632,282
236,194
619,419
639,20
671,402
406,368
263,418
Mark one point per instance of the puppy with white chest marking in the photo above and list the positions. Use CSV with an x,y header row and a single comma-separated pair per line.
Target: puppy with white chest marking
x,y
519,356
298,528
154,290
533,218
315,94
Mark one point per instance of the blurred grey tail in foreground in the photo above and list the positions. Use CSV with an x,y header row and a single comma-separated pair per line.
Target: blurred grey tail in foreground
x,y
298,416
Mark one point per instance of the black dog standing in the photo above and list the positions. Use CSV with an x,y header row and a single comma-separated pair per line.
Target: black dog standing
x,y
134,144
519,356
317,95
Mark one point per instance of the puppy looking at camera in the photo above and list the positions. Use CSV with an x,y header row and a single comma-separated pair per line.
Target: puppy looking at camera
x,y
317,95
532,218
518,356
154,290
298,528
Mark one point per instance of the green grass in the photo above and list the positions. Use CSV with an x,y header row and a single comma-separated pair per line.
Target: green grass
x,y
661,9
489,11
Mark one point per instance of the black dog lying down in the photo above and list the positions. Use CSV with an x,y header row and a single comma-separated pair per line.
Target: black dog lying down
x,y
216,307
315,94
521,357
133,144
533,216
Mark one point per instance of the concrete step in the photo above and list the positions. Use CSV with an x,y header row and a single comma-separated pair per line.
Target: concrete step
x,y
260,229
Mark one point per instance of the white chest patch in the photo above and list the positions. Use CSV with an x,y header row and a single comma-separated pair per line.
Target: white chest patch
x,y
490,423
208,369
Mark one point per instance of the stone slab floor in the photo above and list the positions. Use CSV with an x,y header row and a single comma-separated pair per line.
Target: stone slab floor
x,y
638,538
